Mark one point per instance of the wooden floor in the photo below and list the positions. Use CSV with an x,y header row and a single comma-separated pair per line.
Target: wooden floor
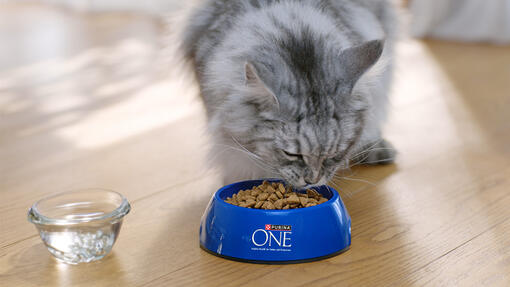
x,y
88,101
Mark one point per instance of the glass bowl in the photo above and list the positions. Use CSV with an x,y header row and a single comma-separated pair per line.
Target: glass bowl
x,y
79,226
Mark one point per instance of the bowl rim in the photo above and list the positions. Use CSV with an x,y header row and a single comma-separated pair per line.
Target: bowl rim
x,y
326,204
36,217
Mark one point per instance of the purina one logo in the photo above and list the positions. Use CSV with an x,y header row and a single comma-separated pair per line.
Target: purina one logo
x,y
272,236
278,227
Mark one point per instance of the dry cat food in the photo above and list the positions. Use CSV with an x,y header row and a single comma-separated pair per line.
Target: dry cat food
x,y
275,196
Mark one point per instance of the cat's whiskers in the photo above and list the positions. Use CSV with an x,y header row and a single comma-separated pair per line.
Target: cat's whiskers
x,y
375,161
354,179
349,193
362,160
244,148
257,159
366,149
341,172
341,190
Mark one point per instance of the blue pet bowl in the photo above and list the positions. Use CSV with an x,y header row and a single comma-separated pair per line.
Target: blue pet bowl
x,y
275,236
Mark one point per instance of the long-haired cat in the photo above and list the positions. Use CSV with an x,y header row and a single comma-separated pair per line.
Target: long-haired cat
x,y
293,89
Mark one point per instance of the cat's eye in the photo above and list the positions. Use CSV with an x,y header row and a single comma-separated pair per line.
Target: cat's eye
x,y
291,155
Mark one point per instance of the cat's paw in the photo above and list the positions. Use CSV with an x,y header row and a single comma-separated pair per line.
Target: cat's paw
x,y
380,152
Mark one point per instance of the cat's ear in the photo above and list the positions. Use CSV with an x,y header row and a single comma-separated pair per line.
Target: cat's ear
x,y
357,60
255,80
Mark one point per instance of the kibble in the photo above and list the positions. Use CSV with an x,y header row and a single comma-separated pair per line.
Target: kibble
x,y
275,196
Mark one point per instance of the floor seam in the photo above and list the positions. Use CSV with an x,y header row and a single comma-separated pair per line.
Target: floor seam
x,y
459,246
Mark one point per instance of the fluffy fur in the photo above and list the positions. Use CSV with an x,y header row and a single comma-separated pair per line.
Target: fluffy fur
x,y
293,88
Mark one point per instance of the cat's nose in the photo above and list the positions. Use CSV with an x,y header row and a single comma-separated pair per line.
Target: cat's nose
x,y
313,179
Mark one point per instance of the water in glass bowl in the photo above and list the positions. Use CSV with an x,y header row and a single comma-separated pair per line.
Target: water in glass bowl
x,y
80,244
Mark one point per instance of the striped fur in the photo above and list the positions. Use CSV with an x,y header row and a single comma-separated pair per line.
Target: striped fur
x,y
292,88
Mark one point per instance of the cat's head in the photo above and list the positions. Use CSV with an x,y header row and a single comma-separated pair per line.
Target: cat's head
x,y
305,118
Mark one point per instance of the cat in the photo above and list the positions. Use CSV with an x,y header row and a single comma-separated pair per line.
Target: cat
x,y
293,89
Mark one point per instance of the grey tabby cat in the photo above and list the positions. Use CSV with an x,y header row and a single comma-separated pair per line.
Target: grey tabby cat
x,y
293,88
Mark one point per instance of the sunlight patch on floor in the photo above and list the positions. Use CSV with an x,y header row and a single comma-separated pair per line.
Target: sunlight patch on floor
x,y
153,107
